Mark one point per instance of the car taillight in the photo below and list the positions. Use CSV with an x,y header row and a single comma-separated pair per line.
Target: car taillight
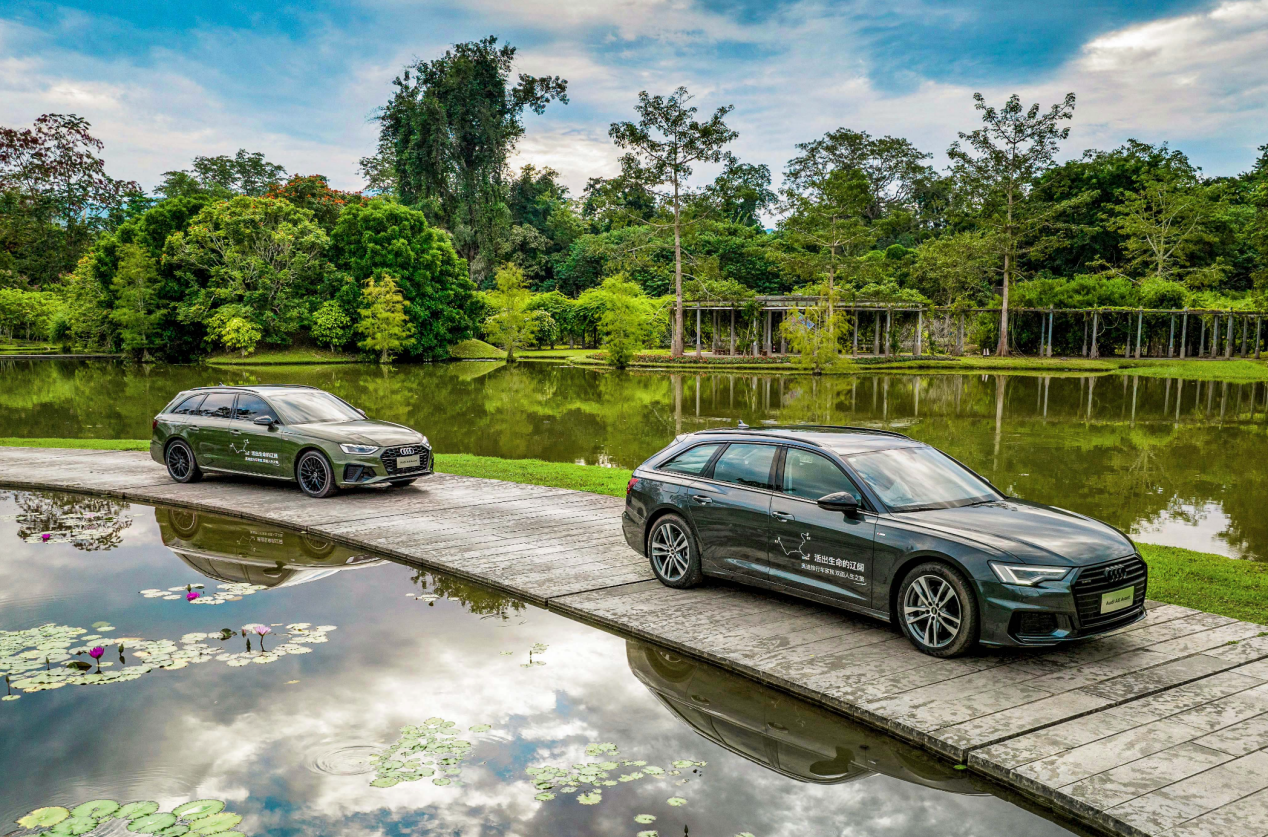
x,y
154,424
631,485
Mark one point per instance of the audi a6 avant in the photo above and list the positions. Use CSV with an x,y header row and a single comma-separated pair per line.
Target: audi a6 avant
x,y
285,432
881,524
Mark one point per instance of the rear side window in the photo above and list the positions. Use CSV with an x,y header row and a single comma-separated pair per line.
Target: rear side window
x,y
217,405
747,465
251,407
189,406
811,476
692,461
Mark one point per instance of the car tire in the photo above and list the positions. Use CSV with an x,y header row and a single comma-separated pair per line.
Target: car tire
x,y
673,554
948,627
402,483
181,464
314,474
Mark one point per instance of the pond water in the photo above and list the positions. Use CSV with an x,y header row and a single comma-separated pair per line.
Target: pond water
x,y
384,700
1175,462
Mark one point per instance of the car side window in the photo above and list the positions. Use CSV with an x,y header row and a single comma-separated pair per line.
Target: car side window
x,y
251,407
217,405
691,462
747,465
189,406
810,476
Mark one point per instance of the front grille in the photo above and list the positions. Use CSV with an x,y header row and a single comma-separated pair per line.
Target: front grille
x,y
1114,575
389,456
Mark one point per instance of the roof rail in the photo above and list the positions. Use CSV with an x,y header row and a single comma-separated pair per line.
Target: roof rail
x,y
752,431
840,427
253,386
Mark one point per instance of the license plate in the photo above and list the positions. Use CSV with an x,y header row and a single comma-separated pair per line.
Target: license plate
x,y
1117,599
403,462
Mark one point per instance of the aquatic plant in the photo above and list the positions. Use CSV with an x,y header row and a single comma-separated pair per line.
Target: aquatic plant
x,y
22,653
197,818
428,750
196,594
536,648
594,776
87,523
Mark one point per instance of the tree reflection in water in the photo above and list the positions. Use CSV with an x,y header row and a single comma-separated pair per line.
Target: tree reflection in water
x,y
91,524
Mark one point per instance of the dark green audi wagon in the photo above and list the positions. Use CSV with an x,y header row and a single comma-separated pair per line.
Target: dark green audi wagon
x,y
881,524
295,433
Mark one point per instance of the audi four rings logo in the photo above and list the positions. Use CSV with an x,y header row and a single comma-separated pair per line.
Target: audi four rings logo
x,y
1118,572
405,452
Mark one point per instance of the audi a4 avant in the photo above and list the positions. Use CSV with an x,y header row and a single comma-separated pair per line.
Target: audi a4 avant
x,y
288,433
881,524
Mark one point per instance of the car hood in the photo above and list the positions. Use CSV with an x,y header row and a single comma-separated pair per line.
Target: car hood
x,y
361,432
1031,532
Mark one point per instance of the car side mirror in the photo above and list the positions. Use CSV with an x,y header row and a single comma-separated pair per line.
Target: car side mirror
x,y
842,501
361,411
264,421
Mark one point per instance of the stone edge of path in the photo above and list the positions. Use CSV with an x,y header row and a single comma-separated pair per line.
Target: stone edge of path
x,y
143,488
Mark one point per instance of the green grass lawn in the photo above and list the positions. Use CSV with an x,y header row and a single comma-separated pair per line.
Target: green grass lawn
x,y
1201,580
475,350
282,357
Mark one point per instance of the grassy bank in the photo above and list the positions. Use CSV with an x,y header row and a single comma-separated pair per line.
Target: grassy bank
x,y
283,357
1199,580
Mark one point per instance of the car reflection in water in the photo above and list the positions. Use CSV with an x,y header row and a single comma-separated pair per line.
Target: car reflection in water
x,y
229,550
781,732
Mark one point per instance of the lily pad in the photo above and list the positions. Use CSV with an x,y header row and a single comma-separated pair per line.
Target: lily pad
x,y
215,823
591,798
96,809
198,809
152,823
44,817
544,796
132,810
649,834
73,826
178,830
481,728
644,819
675,801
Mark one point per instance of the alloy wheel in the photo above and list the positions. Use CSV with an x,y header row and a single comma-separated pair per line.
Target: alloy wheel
x,y
178,461
671,552
932,611
313,474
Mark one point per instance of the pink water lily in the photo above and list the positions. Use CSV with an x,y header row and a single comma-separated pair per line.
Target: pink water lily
x,y
45,536
96,653
192,594
261,630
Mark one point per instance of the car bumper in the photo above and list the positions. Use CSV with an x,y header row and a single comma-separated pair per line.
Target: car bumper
x,y
374,470
1042,616
633,531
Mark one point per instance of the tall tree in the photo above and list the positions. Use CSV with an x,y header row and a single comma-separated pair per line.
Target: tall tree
x,y
895,169
451,125
740,193
1012,148
245,173
662,147
55,197
1165,221
511,322
383,320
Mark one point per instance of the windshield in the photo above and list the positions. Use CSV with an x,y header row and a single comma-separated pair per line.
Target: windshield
x,y
308,407
911,479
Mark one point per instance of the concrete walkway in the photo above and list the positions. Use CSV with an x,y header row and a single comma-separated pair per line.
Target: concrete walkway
x,y
1157,729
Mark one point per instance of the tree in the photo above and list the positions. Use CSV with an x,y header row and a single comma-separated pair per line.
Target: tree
x,y
313,192
511,322
331,325
55,197
1164,223
383,320
451,128
135,311
239,334
663,145
825,228
260,253
815,334
894,168
628,319
958,268
245,173
440,300
740,193
1013,148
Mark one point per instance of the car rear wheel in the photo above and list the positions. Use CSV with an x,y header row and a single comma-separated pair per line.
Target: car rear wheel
x,y
315,476
181,464
937,610
673,553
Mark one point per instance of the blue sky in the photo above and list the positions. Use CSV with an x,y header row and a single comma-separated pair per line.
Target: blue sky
x,y
162,82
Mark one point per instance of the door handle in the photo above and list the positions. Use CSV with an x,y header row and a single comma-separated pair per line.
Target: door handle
x,y
784,516
702,499
193,427
236,432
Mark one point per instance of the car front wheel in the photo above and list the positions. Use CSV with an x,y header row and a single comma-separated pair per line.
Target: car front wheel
x,y
181,464
315,476
937,610
673,554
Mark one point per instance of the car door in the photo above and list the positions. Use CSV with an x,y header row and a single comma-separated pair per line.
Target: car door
x,y
255,448
731,510
209,430
812,550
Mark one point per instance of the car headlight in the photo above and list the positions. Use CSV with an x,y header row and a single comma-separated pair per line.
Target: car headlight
x,y
1026,575
426,443
358,449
